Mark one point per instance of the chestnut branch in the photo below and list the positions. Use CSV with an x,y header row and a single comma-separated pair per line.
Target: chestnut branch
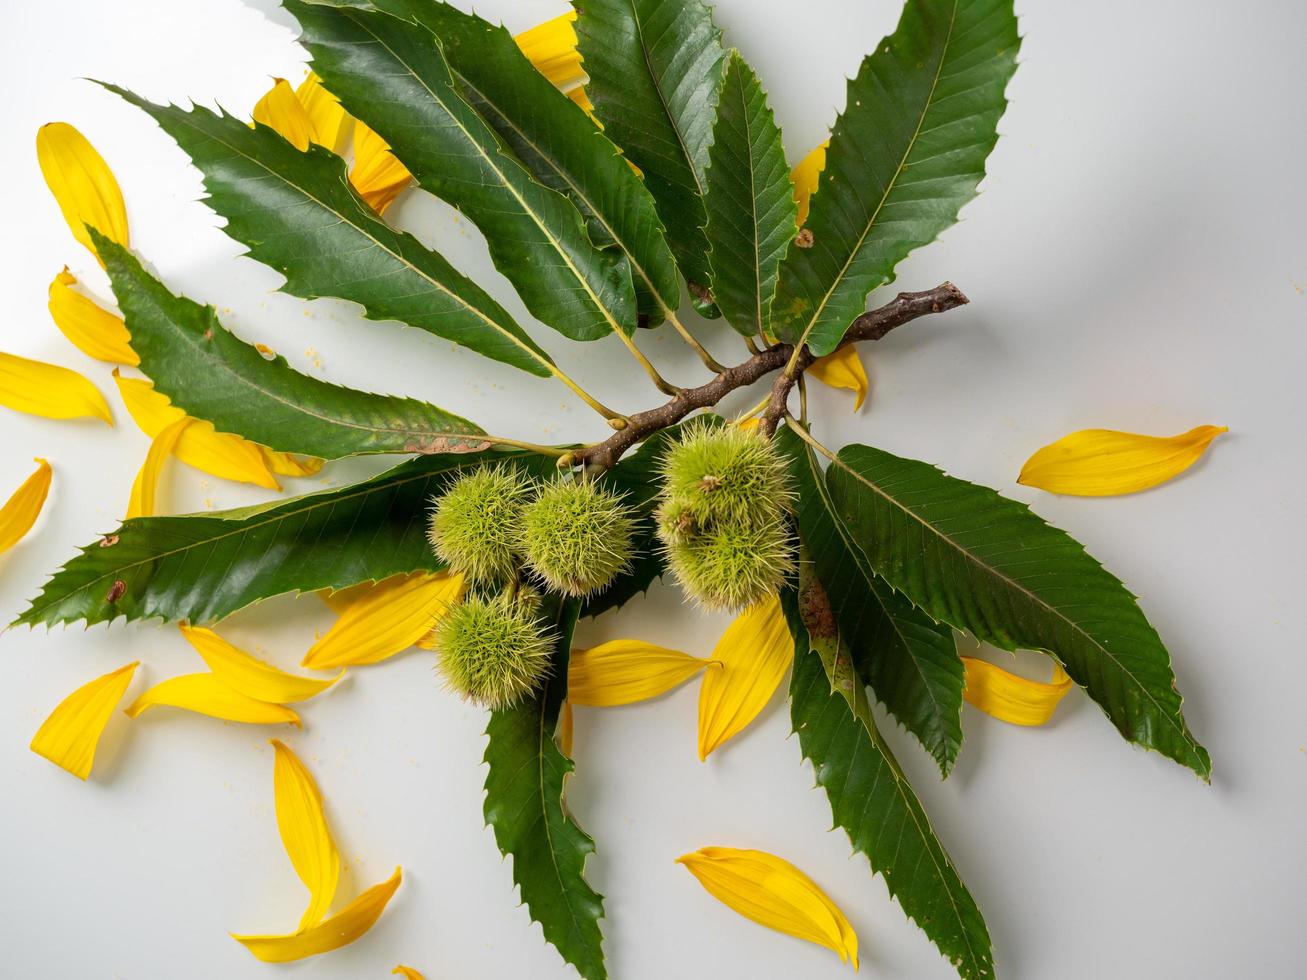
x,y
872,325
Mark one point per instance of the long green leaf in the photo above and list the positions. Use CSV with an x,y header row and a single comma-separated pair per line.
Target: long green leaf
x,y
203,567
390,73
558,143
869,796
908,151
910,662
210,374
752,215
524,806
297,213
982,563
655,70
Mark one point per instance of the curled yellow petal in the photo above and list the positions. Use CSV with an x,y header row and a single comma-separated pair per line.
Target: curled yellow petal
x,y
290,464
1104,463
552,48
48,390
281,109
69,737
386,619
331,124
250,676
754,652
376,174
774,893
206,694
407,972
93,330
23,508
82,184
805,178
304,833
145,489
341,929
842,369
222,454
626,671
1010,698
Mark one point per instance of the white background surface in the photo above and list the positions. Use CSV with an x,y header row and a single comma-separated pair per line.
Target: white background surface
x,y
1136,261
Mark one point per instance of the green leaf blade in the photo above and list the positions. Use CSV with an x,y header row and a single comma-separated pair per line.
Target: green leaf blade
x,y
655,70
524,807
751,211
210,374
979,562
391,74
906,154
297,213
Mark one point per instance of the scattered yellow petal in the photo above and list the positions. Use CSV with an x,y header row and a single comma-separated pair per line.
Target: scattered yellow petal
x,y
774,893
93,330
1104,463
22,509
386,619
48,390
805,178
566,729
206,694
82,184
340,930
68,738
755,651
304,833
291,464
331,124
281,110
376,174
626,671
552,48
145,489
222,454
842,369
1010,698
407,972
250,676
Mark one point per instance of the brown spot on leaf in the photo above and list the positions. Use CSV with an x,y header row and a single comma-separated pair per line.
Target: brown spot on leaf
x,y
208,334
701,292
804,239
815,611
116,591
433,445
108,541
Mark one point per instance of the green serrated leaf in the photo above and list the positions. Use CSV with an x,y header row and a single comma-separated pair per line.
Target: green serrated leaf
x,y
558,143
752,215
203,567
907,152
390,73
980,562
910,662
869,795
524,806
210,374
655,70
297,213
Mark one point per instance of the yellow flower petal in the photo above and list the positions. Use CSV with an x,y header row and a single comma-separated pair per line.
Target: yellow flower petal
x,y
842,369
1104,463
805,178
48,390
304,833
69,737
626,671
23,508
222,454
1010,698
145,489
774,893
331,124
386,619
250,676
552,48
93,330
376,174
566,729
206,694
340,930
281,109
290,464
81,183
407,972
755,651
